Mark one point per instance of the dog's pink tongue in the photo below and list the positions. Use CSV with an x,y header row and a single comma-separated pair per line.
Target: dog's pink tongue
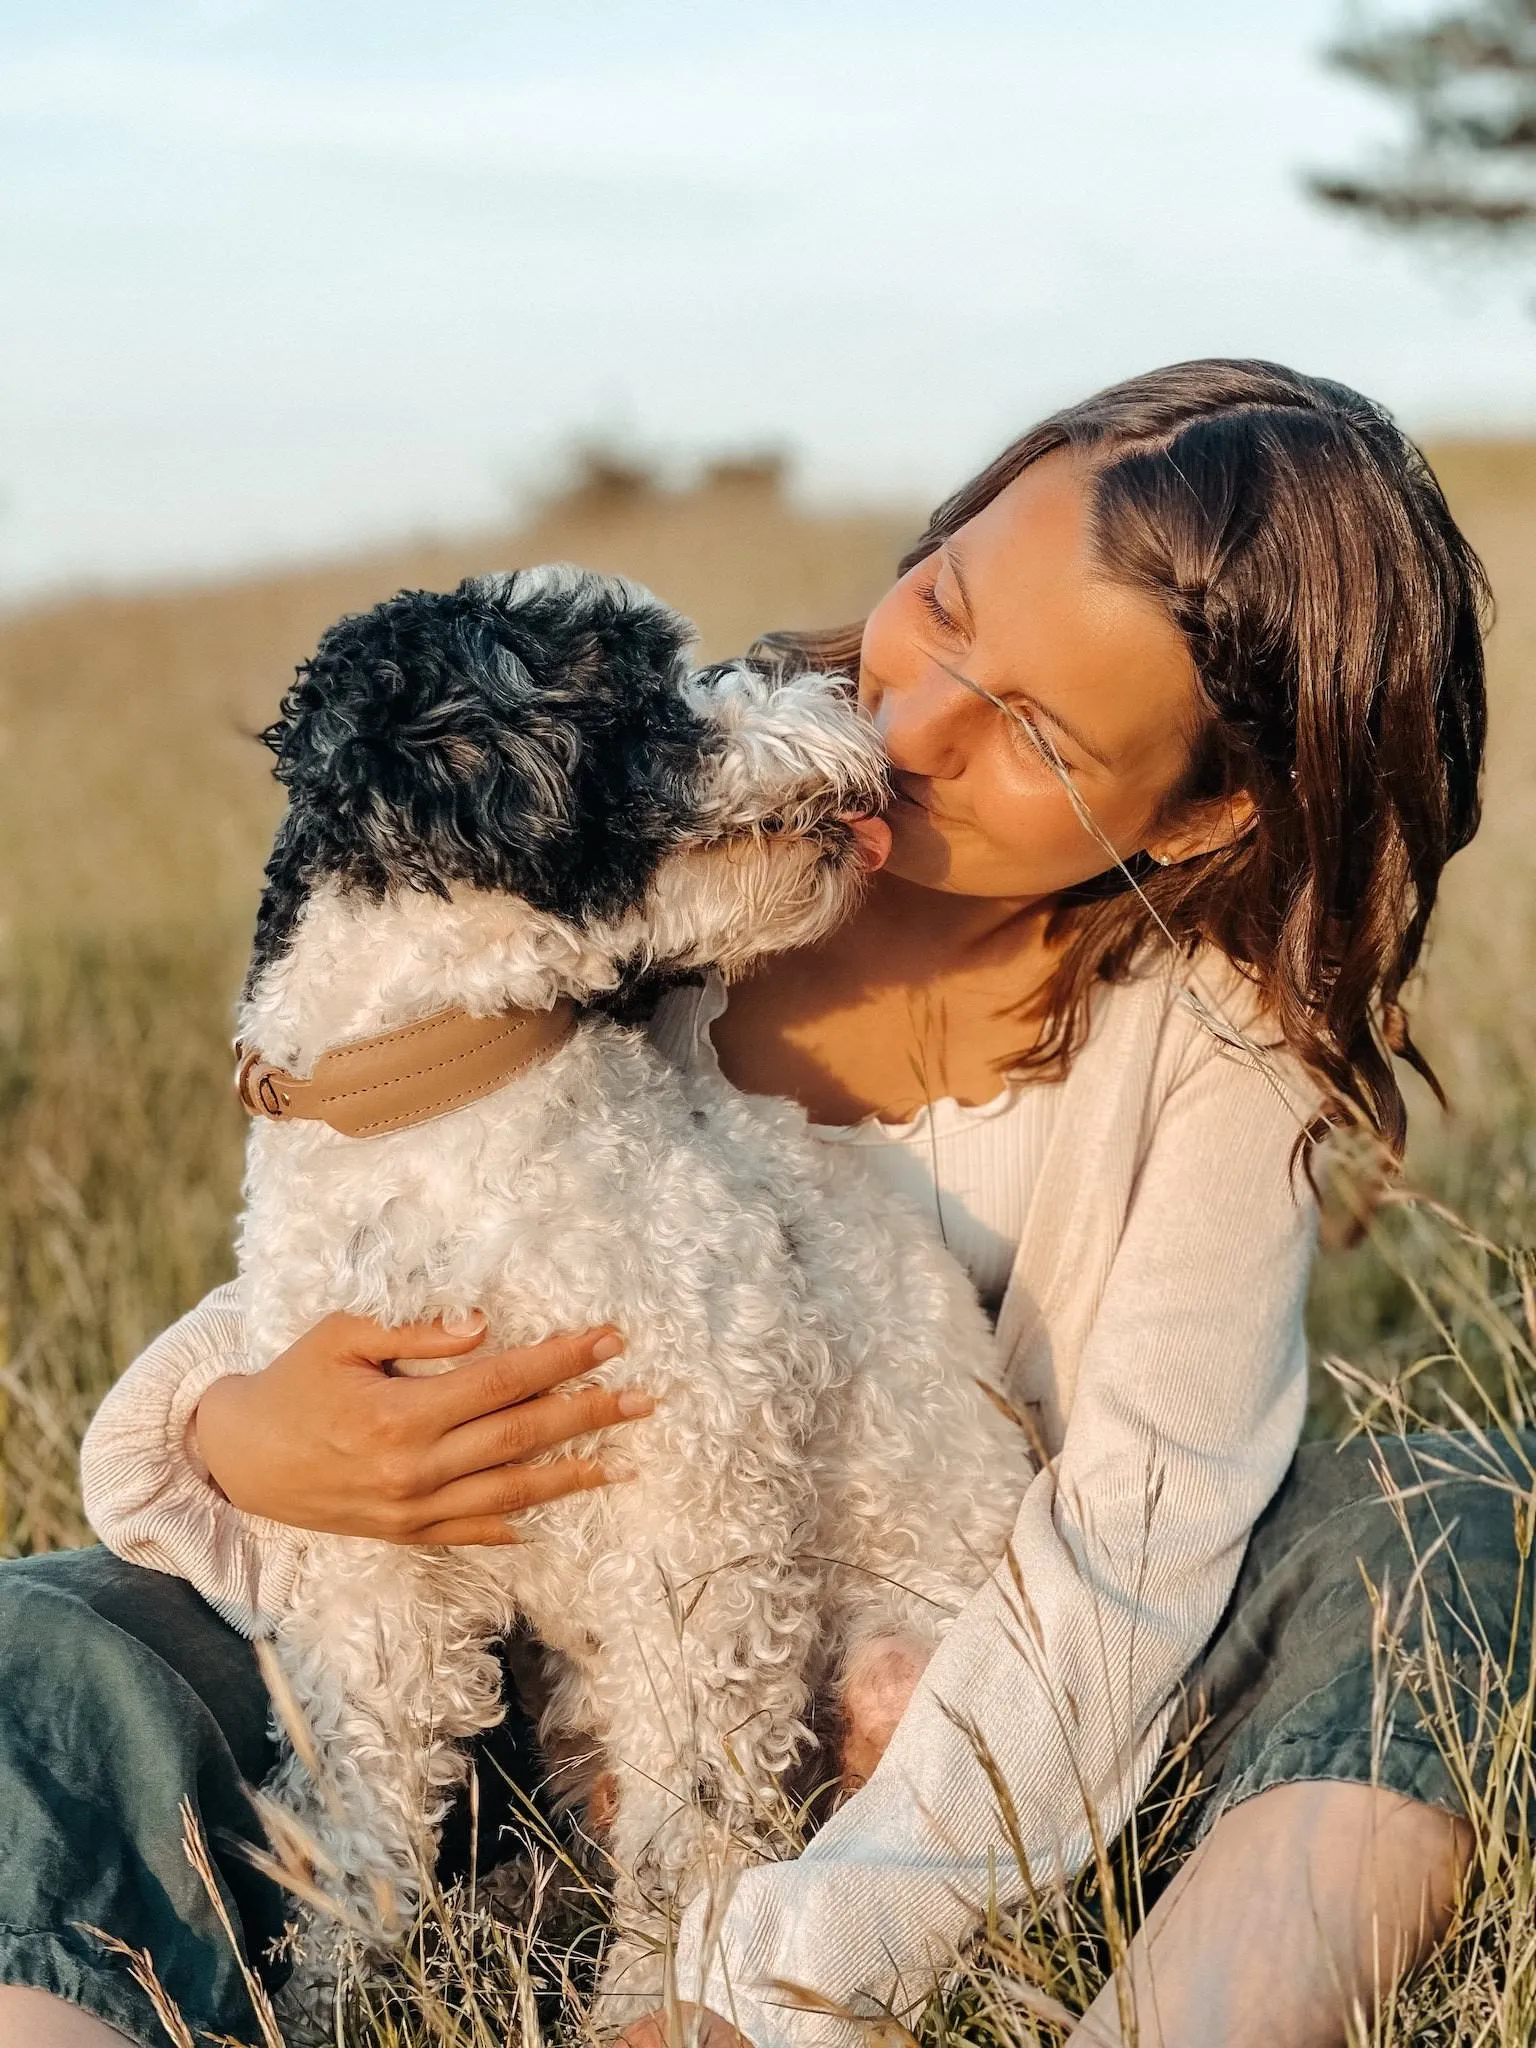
x,y
874,838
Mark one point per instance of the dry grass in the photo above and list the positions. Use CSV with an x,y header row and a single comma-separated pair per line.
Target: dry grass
x,y
130,789
134,815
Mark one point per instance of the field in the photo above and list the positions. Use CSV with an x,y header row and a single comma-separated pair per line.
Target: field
x,y
135,808
135,813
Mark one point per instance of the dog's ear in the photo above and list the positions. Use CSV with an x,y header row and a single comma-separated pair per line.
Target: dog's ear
x,y
524,733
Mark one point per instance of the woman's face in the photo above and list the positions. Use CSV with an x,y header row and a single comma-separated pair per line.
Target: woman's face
x,y
1016,604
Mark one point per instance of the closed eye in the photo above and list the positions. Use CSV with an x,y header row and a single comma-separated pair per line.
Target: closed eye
x,y
933,605
1028,736
1024,730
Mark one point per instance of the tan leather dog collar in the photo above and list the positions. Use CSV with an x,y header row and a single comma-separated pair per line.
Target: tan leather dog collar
x,y
407,1076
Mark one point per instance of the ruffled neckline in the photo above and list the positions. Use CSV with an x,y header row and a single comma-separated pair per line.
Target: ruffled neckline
x,y
936,1119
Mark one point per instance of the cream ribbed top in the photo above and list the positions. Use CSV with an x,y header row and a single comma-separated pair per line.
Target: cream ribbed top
x,y
968,1169
1151,1328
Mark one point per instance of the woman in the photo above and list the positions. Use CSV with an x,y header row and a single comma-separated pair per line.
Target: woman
x,y
1184,703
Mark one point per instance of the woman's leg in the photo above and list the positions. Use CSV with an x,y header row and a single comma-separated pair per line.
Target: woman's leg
x,y
1302,1906
1335,1866
123,1699
33,2019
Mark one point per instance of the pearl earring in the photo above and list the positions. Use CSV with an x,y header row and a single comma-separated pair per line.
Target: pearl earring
x,y
1164,860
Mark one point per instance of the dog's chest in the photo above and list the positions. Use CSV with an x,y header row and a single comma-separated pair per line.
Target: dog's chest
x,y
591,1190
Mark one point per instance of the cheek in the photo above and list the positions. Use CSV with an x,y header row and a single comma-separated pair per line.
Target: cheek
x,y
1027,814
1005,831
1027,835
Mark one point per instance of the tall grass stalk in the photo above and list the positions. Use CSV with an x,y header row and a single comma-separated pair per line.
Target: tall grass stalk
x,y
120,1147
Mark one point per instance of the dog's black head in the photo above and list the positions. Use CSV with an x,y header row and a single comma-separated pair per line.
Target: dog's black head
x,y
539,739
524,733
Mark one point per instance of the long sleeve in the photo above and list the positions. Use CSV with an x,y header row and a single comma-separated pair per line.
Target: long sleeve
x,y
148,1502
1189,1398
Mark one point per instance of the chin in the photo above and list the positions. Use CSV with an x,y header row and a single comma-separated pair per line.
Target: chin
x,y
932,864
919,851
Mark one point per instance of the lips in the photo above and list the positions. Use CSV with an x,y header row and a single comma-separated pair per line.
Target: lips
x,y
930,812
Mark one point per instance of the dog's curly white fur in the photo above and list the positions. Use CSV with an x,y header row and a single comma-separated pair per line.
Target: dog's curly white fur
x,y
824,1479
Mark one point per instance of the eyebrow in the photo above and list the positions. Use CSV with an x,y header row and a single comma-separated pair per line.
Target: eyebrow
x,y
1063,725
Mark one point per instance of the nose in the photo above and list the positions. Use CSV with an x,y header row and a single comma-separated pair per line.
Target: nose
x,y
873,836
927,724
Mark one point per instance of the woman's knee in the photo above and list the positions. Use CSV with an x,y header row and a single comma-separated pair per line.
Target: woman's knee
x,y
84,1621
53,1638
127,1710
32,2018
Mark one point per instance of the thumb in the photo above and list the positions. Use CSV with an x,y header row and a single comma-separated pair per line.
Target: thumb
x,y
362,1341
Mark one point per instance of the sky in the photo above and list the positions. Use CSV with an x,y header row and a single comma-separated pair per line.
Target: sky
x,y
288,277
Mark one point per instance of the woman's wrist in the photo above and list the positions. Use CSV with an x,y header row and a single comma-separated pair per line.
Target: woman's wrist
x,y
192,1444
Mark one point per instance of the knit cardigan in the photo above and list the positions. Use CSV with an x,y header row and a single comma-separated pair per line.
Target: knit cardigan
x,y
1152,1338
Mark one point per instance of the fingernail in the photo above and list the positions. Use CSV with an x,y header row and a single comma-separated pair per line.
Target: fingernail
x,y
617,1470
462,1321
636,1401
607,1347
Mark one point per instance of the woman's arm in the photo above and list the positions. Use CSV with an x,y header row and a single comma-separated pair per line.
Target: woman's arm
x,y
197,1467
153,1504
1187,1411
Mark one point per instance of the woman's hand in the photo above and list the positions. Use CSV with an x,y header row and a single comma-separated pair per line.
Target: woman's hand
x,y
327,1438
697,2027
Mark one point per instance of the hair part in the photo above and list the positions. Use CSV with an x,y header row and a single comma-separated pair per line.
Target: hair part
x,y
1335,616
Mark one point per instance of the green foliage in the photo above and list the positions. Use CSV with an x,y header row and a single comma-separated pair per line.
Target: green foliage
x,y
1464,81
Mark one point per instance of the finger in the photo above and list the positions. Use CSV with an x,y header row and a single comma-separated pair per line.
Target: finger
x,y
523,1431
505,1377
512,1488
490,1531
362,1340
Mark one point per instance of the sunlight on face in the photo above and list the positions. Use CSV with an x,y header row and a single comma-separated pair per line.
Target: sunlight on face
x,y
1016,604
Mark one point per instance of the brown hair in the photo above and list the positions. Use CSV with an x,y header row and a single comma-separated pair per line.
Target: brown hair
x,y
1335,614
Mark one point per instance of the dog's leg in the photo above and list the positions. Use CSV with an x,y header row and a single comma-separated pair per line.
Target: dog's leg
x,y
385,1670
705,1701
919,1484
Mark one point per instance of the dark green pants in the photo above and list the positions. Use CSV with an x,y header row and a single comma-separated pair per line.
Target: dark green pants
x,y
122,1696
1349,1597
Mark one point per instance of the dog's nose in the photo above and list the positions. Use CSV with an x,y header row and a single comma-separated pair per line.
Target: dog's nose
x,y
874,840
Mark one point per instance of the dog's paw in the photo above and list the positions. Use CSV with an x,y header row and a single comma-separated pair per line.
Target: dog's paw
x,y
881,1678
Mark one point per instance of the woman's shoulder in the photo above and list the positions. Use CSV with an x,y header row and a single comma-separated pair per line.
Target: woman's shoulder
x,y
1203,994
1175,1019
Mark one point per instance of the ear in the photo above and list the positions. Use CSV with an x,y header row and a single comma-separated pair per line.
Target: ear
x,y
1203,828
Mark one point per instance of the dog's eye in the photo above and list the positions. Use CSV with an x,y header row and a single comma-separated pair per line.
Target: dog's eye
x,y
772,826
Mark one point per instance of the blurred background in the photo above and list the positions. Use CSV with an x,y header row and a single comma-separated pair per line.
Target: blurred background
x,y
306,302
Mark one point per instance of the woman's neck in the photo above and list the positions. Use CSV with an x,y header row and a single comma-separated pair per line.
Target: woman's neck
x,y
919,933
920,994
